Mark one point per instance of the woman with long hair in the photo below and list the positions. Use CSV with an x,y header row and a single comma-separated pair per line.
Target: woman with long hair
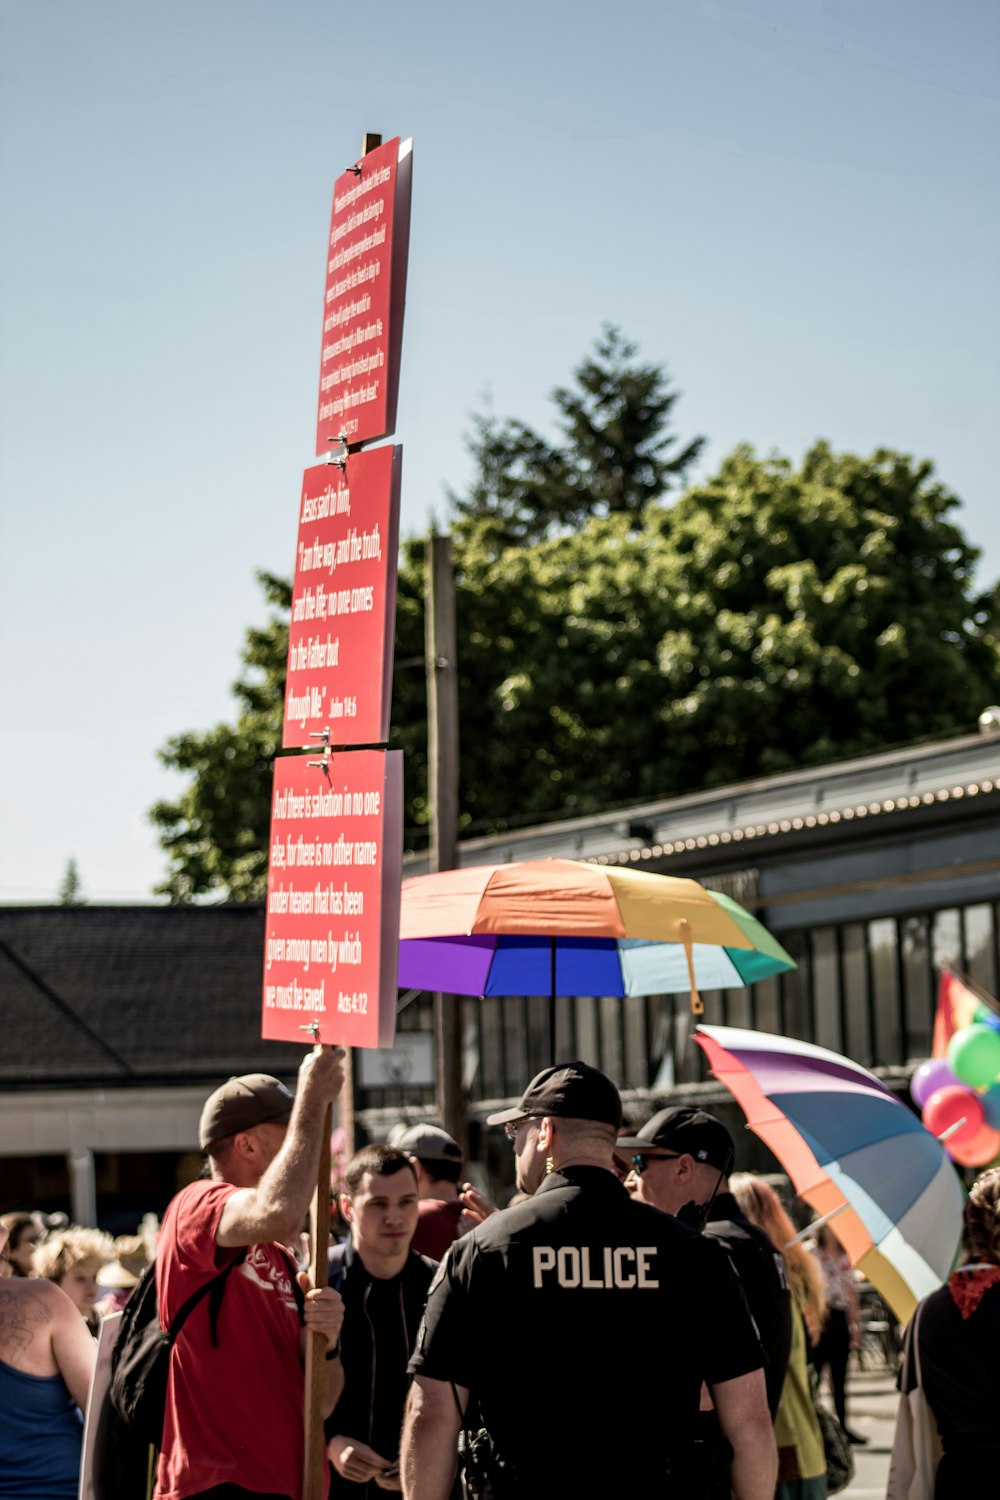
x,y
959,1341
801,1457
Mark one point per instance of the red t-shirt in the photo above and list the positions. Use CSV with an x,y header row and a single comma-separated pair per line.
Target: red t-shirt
x,y
439,1225
233,1414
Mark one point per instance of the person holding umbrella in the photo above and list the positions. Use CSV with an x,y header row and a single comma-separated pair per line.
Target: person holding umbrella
x,y
544,1315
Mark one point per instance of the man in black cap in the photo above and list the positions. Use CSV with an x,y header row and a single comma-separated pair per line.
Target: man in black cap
x,y
680,1161
234,1410
547,1316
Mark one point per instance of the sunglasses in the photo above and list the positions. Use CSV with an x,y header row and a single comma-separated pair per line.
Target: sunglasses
x,y
513,1126
641,1160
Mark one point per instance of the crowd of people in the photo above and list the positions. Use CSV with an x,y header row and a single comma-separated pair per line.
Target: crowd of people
x,y
638,1319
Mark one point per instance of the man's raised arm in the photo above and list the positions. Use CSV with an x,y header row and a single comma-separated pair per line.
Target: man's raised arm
x,y
276,1207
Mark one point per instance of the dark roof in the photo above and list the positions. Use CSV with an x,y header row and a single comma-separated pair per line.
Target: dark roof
x,y
128,995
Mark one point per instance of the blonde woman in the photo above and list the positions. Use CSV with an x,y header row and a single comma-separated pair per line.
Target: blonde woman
x,y
72,1258
801,1458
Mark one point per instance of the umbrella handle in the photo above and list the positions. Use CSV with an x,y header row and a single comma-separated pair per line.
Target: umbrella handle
x,y
697,1008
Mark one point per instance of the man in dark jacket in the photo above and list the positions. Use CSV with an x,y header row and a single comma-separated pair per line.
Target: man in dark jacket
x,y
384,1286
680,1161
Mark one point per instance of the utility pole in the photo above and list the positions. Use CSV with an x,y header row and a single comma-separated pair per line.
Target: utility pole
x,y
442,785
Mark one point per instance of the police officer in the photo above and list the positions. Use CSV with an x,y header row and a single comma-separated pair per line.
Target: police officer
x,y
553,1314
680,1162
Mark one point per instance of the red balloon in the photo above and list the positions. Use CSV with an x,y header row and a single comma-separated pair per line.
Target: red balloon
x,y
978,1152
947,1106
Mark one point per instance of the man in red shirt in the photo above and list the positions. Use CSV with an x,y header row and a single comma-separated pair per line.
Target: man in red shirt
x,y
437,1163
234,1413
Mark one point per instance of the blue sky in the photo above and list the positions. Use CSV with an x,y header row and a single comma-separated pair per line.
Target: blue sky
x,y
793,204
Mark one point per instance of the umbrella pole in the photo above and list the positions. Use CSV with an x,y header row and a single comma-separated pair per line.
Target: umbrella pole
x,y
697,1008
552,997
810,1229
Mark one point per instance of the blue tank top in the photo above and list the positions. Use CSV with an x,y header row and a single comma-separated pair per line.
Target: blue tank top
x,y
40,1435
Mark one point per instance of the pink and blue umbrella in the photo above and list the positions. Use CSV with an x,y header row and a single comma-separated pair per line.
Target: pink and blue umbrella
x,y
852,1150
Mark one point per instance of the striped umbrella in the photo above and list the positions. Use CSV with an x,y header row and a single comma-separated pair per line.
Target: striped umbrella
x,y
560,927
853,1151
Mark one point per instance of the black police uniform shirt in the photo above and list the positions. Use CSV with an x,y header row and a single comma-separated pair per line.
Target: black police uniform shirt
x,y
584,1324
763,1274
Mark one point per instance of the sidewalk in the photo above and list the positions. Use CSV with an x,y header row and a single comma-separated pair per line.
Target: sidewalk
x,y
871,1412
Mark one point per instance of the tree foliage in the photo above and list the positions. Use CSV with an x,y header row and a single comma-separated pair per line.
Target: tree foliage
x,y
612,456
772,616
71,886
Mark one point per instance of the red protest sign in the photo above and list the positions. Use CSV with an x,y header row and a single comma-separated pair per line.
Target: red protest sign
x,y
332,936
363,298
340,643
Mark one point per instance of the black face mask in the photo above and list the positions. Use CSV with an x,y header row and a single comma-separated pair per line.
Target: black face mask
x,y
695,1215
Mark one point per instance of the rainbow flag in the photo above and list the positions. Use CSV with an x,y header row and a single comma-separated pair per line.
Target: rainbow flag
x,y
956,1007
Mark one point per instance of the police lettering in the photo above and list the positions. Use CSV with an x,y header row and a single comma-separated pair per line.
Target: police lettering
x,y
568,1266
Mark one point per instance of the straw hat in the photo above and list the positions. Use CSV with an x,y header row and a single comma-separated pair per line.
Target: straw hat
x,y
122,1273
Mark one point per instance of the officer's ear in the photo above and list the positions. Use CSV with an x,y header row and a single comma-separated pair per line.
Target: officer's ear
x,y
545,1135
685,1167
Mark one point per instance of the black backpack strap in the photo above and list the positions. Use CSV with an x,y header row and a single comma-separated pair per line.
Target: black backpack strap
x,y
214,1290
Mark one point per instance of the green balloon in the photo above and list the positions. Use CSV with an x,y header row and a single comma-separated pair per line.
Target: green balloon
x,y
974,1055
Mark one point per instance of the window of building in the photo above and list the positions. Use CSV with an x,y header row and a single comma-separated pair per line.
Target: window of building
x,y
888,1044
826,989
766,1004
916,967
854,976
980,946
793,987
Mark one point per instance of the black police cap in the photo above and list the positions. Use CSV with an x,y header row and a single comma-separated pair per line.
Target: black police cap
x,y
568,1091
684,1131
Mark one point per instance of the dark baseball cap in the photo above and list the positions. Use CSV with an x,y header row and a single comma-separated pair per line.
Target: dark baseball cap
x,y
241,1103
683,1131
428,1143
569,1091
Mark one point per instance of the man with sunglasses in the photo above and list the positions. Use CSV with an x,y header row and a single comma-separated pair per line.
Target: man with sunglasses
x,y
680,1163
539,1316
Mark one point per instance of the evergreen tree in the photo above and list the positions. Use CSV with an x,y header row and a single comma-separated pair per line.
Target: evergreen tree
x,y
71,886
613,455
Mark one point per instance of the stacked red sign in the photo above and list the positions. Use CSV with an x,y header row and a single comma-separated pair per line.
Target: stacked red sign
x,y
363,299
344,602
333,898
336,844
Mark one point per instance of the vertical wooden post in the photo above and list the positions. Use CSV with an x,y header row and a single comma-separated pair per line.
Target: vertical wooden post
x,y
442,783
314,1475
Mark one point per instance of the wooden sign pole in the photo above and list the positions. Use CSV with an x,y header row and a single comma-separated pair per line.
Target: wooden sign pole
x,y
313,1483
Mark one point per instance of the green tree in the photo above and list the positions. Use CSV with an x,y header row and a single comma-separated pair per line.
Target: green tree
x,y
818,612
71,886
772,617
613,454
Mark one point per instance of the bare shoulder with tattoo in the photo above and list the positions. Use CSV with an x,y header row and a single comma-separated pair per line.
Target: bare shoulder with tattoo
x,y
27,1316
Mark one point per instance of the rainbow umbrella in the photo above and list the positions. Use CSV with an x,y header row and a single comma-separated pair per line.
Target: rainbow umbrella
x,y
560,927
852,1151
